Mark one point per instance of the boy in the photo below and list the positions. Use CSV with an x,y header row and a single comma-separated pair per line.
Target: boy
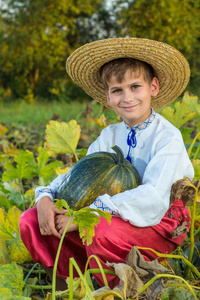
x,y
133,76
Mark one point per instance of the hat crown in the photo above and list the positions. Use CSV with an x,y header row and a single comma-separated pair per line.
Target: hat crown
x,y
169,64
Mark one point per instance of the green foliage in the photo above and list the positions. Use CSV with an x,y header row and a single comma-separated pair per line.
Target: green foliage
x,y
36,38
24,167
11,282
172,22
178,293
44,169
81,218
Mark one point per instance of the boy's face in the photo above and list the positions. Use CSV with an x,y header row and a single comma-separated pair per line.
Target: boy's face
x,y
131,99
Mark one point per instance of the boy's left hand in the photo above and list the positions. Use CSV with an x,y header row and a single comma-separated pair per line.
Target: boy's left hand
x,y
61,223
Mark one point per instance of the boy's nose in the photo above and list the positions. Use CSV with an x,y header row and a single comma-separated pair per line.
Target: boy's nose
x,y
127,96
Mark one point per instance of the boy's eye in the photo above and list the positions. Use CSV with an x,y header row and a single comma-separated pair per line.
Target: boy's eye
x,y
135,86
116,91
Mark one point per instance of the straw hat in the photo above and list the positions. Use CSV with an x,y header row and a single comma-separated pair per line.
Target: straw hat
x,y
170,65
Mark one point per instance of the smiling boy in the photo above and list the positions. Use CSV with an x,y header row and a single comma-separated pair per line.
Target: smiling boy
x,y
134,77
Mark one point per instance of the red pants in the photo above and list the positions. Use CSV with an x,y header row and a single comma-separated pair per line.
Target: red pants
x,y
111,243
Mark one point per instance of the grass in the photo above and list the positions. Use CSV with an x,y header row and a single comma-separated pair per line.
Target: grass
x,y
20,112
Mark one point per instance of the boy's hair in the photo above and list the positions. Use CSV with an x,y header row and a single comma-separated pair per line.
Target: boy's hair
x,y
118,68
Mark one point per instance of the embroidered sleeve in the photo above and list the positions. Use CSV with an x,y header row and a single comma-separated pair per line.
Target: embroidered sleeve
x,y
49,190
44,191
100,205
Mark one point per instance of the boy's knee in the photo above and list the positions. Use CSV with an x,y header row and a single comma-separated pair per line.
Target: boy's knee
x,y
27,220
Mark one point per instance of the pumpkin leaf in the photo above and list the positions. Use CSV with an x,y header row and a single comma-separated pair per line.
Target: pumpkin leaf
x,y
60,170
4,256
86,221
9,232
5,293
4,202
182,189
43,168
105,293
196,165
60,204
130,283
178,293
61,137
24,167
178,115
12,278
192,102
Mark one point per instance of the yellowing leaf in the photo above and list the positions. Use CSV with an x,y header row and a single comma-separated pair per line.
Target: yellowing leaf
x,y
105,293
86,221
9,232
62,137
12,277
3,129
61,170
6,294
192,102
196,165
4,256
178,116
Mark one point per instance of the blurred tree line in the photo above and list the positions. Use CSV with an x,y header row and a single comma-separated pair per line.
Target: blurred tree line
x,y
37,36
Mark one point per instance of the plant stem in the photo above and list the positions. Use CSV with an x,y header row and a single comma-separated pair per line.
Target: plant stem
x,y
56,260
100,267
170,276
186,261
195,233
72,263
37,287
22,189
192,145
188,270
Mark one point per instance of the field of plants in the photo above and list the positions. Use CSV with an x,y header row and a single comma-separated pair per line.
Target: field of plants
x,y
33,154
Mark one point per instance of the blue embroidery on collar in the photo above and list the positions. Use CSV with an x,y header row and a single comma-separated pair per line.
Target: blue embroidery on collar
x,y
144,124
131,139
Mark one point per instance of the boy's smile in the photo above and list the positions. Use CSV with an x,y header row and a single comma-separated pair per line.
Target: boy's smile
x,y
131,98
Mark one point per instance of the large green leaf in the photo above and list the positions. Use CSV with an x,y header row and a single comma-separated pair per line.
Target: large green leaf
x,y
178,115
62,137
192,102
24,167
46,170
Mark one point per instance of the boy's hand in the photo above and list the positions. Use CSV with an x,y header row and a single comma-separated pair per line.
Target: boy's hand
x,y
61,223
46,211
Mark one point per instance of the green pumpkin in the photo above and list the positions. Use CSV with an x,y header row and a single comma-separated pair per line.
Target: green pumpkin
x,y
97,174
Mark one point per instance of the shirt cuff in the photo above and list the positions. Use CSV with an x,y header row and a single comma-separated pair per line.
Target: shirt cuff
x,y
98,204
43,191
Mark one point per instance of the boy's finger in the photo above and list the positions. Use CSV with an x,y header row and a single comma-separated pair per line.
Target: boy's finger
x,y
54,231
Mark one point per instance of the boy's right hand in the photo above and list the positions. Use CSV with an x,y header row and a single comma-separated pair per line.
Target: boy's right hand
x,y
46,211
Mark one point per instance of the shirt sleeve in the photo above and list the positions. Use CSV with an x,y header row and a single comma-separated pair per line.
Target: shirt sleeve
x,y
147,204
49,190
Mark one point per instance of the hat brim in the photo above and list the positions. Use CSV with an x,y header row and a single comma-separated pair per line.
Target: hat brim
x,y
171,67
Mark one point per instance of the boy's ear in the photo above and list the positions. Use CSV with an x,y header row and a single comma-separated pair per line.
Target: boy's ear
x,y
108,98
154,87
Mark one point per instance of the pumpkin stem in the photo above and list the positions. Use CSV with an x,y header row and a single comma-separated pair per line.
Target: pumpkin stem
x,y
120,154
